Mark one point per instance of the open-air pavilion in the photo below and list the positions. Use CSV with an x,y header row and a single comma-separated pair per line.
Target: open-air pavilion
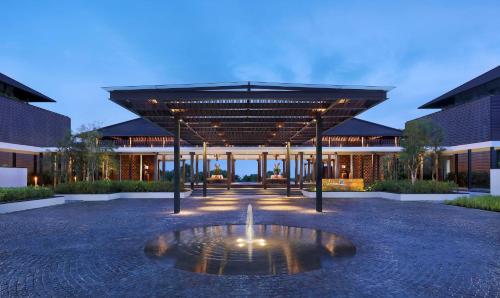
x,y
249,118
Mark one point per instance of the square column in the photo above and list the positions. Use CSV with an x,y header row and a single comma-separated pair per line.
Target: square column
x,y
301,181
196,177
191,170
205,163
177,180
264,169
259,169
155,175
319,164
469,169
228,170
329,167
288,171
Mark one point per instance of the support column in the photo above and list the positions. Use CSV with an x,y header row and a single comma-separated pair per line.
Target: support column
x,y
456,168
205,169
493,158
301,181
233,170
283,162
319,163
196,177
329,167
469,169
40,160
177,180
191,170
296,170
164,165
14,160
288,192
308,169
140,167
336,173
183,175
351,167
228,170
155,170
264,169
314,168
259,169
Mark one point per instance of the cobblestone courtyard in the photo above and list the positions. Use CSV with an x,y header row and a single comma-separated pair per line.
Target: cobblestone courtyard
x,y
404,249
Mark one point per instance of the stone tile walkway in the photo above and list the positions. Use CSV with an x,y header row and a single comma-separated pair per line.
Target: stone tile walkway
x,y
404,249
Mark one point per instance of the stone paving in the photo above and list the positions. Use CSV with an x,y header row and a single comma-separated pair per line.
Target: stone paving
x,y
404,249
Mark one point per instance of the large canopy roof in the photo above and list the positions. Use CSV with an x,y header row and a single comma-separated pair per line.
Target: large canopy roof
x,y
248,113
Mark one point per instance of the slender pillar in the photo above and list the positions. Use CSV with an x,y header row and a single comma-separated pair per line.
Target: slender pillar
x,y
14,160
329,167
469,169
259,169
319,164
264,169
191,170
228,170
314,167
301,181
233,170
177,180
208,168
140,167
155,170
373,167
351,167
308,169
493,158
205,169
296,170
196,177
285,170
456,168
288,192
183,175
164,170
40,160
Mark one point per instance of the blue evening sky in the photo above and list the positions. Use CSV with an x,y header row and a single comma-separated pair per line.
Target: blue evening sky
x,y
68,50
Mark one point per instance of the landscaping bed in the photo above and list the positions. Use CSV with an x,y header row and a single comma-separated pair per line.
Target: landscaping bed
x,y
485,202
109,187
17,194
420,187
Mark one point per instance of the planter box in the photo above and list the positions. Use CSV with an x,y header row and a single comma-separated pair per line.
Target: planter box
x,y
152,195
495,182
124,195
33,204
387,195
13,177
92,197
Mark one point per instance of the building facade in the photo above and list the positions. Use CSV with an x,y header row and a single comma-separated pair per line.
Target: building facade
x,y
470,118
27,131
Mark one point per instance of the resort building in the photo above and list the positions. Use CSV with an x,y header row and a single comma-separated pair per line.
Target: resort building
x,y
353,149
26,131
470,118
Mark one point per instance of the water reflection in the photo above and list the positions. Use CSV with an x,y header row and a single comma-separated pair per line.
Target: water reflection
x,y
224,250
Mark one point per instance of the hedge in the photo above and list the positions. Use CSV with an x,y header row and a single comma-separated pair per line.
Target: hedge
x,y
420,187
24,194
486,202
104,187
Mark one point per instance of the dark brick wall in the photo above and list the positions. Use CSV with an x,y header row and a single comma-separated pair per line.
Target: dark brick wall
x,y
22,123
470,122
495,118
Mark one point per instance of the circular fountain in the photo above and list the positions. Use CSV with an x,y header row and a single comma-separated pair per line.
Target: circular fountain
x,y
249,249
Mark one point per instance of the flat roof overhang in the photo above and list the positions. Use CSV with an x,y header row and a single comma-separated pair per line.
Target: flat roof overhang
x,y
247,114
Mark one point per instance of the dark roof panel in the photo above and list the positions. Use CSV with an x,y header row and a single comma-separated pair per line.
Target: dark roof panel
x,y
134,128
23,92
358,127
475,82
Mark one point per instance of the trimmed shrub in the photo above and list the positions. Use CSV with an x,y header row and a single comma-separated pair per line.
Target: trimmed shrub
x,y
420,187
105,187
24,194
486,202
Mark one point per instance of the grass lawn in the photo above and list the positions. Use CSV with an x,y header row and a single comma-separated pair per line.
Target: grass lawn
x,y
486,202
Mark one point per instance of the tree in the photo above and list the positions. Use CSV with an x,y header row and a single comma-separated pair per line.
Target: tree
x,y
435,141
414,141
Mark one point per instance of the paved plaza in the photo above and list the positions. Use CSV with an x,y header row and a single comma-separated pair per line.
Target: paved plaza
x,y
404,249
